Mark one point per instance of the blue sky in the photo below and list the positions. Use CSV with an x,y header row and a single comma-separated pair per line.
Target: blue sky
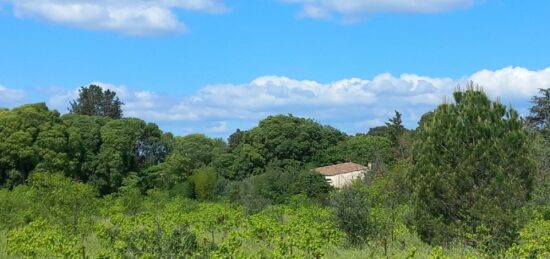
x,y
212,66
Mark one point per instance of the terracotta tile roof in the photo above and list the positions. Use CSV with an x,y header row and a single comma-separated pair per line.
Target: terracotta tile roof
x,y
340,169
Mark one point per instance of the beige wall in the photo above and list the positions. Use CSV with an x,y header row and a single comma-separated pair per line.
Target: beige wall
x,y
343,180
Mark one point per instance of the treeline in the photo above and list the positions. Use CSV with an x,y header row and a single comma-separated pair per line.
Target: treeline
x,y
471,180
105,152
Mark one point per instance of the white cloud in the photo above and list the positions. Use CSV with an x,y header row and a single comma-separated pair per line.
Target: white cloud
x,y
513,82
9,96
131,17
351,10
353,104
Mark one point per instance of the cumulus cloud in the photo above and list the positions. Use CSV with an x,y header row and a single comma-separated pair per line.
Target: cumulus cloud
x,y
131,17
353,104
513,82
9,96
353,9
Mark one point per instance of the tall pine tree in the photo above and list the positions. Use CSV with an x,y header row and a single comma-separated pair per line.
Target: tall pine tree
x,y
472,171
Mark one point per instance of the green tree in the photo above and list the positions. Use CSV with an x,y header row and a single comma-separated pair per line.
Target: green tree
x,y
540,112
538,121
33,137
176,169
279,185
541,188
285,137
388,196
236,138
84,141
352,208
93,100
247,161
395,128
127,146
204,180
472,167
200,149
362,149
152,146
63,202
117,156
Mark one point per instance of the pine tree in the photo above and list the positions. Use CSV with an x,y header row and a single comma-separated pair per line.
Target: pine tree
x,y
539,118
472,169
395,127
395,131
92,100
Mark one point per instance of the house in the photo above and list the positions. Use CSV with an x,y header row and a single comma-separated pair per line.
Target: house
x,y
341,175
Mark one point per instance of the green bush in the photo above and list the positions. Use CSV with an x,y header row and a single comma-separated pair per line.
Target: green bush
x,y
351,207
40,239
204,180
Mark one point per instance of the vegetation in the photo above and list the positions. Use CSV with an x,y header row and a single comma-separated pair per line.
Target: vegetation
x,y
472,181
463,159
93,100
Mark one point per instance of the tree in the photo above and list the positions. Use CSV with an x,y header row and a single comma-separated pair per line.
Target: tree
x,y
285,137
204,180
176,169
33,137
472,168
200,149
61,201
92,100
236,138
61,212
539,117
84,142
126,146
278,185
395,128
362,149
541,188
395,135
352,207
388,197
247,161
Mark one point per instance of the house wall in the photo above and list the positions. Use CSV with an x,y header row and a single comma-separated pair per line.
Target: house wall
x,y
342,180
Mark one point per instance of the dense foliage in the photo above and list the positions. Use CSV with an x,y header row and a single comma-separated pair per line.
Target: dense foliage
x,y
472,181
93,100
472,171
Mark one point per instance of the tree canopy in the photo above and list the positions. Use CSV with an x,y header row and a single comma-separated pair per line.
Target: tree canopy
x,y
472,168
93,100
